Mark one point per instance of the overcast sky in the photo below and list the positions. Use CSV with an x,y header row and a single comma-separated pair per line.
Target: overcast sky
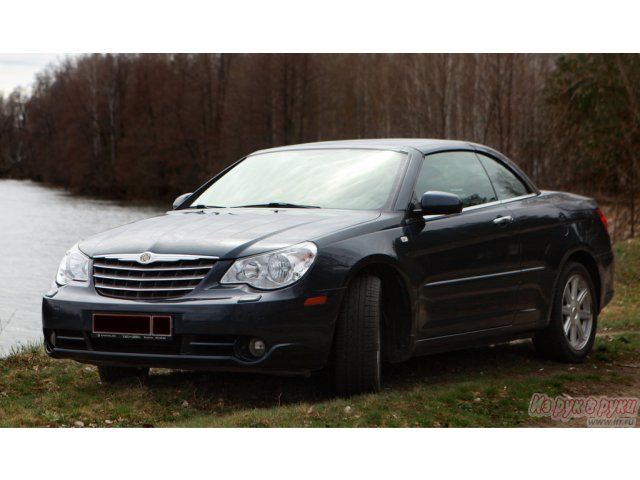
x,y
19,69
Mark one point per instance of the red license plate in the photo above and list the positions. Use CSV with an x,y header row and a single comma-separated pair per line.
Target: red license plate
x,y
132,325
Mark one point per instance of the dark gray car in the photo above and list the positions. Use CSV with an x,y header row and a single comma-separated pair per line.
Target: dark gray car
x,y
342,255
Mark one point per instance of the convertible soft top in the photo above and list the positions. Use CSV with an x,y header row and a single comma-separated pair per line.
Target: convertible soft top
x,y
424,145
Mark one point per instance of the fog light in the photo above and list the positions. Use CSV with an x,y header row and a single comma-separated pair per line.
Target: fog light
x,y
52,339
257,348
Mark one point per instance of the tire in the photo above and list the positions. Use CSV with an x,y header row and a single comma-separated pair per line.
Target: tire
x,y
571,331
357,338
119,374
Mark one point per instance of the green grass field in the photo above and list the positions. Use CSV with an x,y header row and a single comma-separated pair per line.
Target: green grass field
x,y
481,387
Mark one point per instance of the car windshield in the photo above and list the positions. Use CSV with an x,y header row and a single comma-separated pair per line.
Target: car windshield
x,y
335,178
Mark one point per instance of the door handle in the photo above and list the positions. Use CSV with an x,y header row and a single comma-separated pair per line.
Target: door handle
x,y
503,220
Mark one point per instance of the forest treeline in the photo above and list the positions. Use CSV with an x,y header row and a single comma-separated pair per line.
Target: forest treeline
x,y
152,126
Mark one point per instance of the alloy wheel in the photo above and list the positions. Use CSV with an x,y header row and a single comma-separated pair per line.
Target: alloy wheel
x,y
577,313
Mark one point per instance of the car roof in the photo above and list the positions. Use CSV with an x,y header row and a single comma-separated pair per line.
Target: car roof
x,y
424,145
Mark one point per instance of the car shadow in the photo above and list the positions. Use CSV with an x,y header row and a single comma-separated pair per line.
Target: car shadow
x,y
248,390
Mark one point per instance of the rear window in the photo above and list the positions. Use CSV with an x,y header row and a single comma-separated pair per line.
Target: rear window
x,y
505,182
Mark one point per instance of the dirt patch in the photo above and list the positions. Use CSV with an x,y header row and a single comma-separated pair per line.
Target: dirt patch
x,y
624,382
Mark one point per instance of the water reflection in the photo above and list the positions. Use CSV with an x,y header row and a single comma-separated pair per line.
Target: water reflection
x,y
37,226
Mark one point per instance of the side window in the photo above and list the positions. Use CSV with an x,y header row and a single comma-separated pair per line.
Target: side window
x,y
505,182
455,172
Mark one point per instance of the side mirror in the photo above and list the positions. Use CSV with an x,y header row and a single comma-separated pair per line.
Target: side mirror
x,y
440,203
178,201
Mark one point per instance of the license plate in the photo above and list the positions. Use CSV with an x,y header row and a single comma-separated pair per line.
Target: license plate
x,y
132,325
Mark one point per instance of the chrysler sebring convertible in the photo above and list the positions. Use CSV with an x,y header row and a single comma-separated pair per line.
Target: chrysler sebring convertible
x,y
338,255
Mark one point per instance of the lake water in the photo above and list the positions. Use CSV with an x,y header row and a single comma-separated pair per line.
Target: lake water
x,y
37,226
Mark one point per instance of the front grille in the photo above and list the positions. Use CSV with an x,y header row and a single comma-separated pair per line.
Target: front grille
x,y
166,276
191,345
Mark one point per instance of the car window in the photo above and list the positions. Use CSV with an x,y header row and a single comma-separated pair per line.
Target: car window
x,y
324,178
459,173
505,182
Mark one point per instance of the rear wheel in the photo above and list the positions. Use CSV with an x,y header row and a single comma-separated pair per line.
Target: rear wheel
x,y
572,328
357,339
119,374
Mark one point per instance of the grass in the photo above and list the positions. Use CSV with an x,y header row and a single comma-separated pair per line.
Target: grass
x,y
481,387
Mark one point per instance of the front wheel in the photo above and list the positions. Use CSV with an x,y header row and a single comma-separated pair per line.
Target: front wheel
x,y
572,328
357,339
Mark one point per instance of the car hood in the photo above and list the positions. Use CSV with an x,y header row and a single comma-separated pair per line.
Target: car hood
x,y
224,233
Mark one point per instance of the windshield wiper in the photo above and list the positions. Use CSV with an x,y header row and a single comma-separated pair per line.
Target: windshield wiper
x,y
205,206
276,205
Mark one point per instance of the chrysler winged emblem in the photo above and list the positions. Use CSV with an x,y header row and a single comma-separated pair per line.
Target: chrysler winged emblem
x,y
144,257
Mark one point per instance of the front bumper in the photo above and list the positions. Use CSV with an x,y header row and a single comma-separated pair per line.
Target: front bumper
x,y
210,329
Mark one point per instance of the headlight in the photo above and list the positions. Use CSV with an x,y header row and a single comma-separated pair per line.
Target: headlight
x,y
273,270
74,266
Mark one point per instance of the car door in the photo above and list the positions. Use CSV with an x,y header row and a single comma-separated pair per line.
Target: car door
x,y
537,224
468,261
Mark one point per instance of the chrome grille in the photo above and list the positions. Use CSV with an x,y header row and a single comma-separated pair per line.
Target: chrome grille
x,y
160,276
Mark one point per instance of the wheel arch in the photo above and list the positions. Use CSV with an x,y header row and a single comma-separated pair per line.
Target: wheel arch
x,y
585,257
398,305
